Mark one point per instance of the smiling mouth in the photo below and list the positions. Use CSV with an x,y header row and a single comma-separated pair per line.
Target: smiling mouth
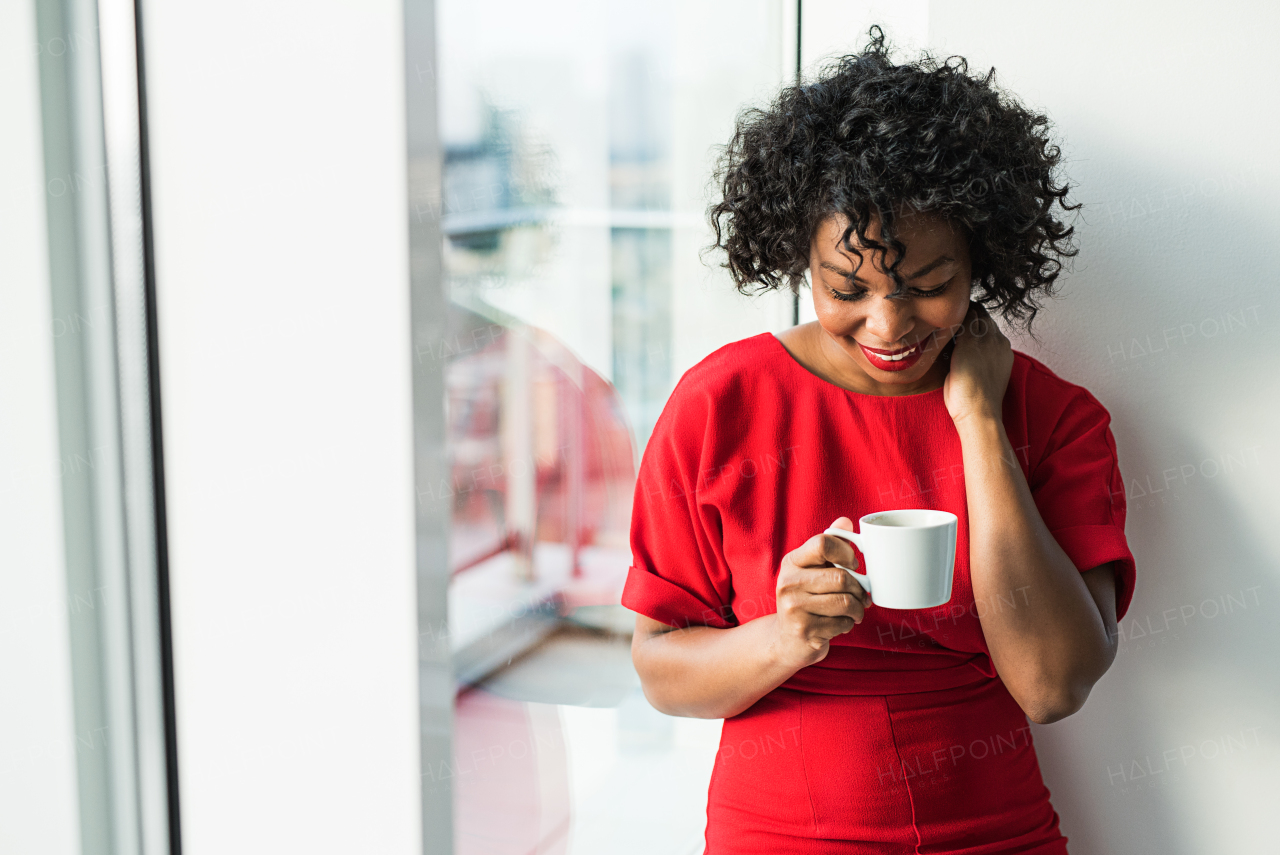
x,y
902,359
892,355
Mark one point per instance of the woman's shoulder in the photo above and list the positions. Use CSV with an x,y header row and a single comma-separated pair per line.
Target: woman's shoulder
x,y
722,390
1049,405
1041,385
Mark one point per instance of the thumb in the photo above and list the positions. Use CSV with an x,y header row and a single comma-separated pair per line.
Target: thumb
x,y
844,523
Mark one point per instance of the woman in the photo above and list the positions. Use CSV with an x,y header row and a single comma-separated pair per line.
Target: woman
x,y
917,197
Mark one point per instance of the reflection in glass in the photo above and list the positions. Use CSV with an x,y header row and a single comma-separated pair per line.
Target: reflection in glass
x,y
578,141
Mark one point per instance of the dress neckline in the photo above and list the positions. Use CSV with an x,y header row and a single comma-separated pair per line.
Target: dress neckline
x,y
801,369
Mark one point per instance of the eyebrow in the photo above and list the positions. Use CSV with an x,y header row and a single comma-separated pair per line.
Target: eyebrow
x,y
928,268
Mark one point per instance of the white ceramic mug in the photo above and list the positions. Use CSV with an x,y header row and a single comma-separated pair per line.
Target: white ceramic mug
x,y
909,556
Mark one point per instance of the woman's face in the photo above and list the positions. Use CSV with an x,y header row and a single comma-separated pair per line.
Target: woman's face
x,y
885,346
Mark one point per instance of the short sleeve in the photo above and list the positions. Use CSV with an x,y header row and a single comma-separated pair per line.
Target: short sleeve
x,y
1079,491
678,573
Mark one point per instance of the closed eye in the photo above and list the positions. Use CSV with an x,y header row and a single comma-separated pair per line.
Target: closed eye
x,y
846,296
932,292
850,296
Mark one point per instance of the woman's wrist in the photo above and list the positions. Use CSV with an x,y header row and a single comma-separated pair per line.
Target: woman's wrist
x,y
977,421
986,450
788,654
777,659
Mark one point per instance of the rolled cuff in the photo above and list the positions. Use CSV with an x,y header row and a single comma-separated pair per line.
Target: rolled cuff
x,y
655,597
1090,546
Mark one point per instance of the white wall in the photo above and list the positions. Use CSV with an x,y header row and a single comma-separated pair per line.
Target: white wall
x,y
1170,318
278,156
38,796
1167,112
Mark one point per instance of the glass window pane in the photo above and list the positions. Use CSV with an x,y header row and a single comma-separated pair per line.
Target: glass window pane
x,y
579,142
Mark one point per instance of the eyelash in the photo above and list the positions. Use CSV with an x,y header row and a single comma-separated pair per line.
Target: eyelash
x,y
858,295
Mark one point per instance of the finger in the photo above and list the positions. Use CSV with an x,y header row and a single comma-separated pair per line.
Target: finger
x,y
823,581
852,569
847,525
835,549
957,331
803,586
980,323
863,595
827,580
829,627
843,547
825,550
976,313
834,605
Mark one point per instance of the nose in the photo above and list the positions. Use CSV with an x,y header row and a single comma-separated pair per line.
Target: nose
x,y
890,320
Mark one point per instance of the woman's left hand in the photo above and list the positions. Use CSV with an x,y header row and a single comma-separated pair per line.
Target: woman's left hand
x,y
980,364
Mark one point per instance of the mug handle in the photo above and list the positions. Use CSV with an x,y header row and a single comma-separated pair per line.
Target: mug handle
x,y
852,537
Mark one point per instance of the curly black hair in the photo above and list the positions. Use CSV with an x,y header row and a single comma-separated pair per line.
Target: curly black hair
x,y
872,139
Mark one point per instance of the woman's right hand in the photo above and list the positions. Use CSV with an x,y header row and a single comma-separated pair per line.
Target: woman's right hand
x,y
816,599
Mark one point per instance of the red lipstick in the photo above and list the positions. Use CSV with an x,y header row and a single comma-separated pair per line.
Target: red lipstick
x,y
893,360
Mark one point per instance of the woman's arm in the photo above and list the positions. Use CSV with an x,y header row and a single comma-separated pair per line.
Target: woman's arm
x,y
705,672
1058,637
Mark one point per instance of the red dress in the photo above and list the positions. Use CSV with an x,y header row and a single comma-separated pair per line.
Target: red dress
x,y
903,739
